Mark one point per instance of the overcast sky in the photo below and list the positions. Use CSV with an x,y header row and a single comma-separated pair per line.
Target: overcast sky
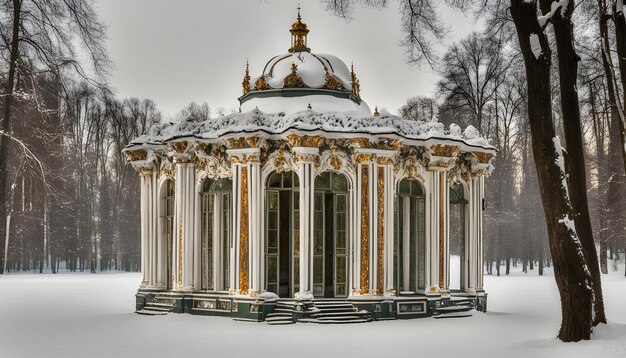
x,y
175,52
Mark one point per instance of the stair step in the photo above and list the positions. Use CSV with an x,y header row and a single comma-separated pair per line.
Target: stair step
x,y
157,306
276,323
151,312
453,315
278,318
329,314
459,308
340,318
313,320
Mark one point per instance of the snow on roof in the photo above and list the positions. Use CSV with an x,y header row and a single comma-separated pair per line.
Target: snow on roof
x,y
310,120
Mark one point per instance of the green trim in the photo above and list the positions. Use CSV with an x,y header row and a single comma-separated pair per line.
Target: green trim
x,y
298,92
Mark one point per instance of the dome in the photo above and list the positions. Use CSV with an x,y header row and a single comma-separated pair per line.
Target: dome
x,y
301,79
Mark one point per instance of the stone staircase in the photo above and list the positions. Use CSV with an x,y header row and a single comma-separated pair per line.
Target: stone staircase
x,y
335,311
283,313
455,307
318,311
158,307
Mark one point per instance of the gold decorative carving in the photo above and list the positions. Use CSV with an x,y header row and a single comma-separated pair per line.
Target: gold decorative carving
x,y
360,142
261,84
441,227
137,155
389,144
243,234
376,113
483,157
246,79
146,172
440,150
363,157
331,82
243,142
293,80
200,163
304,141
365,229
180,147
180,251
356,85
380,243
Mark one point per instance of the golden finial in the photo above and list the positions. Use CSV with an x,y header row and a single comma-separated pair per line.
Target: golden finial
x,y
294,68
299,33
246,79
356,85
376,113
309,106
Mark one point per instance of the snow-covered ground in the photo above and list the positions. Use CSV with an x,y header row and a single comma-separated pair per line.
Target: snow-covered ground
x,y
84,315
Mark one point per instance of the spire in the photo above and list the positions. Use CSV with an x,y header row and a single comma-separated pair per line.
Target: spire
x,y
299,32
356,85
376,113
246,79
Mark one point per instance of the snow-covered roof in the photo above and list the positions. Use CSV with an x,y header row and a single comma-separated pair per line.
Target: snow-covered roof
x,y
312,68
331,124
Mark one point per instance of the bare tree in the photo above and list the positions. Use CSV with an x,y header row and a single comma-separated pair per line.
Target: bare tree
x,y
423,109
48,35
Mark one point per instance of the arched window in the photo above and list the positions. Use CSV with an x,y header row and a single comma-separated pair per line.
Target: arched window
x,y
456,238
282,234
215,226
330,235
410,237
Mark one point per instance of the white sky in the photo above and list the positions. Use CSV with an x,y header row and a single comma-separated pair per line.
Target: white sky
x,y
175,52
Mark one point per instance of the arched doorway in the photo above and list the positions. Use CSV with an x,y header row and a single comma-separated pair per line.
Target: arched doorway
x,y
168,202
330,235
410,238
215,229
456,238
282,234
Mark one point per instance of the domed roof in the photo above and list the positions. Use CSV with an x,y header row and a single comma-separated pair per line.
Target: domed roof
x,y
302,79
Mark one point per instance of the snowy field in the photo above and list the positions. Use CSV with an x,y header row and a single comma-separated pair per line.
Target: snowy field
x,y
85,315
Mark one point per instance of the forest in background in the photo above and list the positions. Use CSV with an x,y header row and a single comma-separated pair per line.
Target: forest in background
x,y
74,201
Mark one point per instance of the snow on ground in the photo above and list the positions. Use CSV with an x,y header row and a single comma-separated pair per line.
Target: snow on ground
x,y
84,315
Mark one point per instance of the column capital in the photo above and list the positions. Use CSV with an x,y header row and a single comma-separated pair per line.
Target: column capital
x,y
306,154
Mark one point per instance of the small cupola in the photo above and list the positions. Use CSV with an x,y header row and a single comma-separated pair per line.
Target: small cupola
x,y
299,32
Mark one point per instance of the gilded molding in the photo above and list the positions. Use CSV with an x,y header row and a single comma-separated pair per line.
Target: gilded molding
x,y
304,141
365,213
380,243
136,155
331,82
243,142
440,150
243,234
261,84
179,147
246,80
293,80
482,157
146,173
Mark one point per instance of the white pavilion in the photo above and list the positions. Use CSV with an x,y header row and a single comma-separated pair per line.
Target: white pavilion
x,y
306,206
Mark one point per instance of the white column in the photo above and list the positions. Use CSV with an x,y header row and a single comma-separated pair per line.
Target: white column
x,y
218,241
471,244
389,226
145,248
479,237
306,176
255,211
190,252
234,242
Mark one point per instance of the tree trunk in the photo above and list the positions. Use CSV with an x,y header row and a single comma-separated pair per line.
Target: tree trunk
x,y
5,124
568,74
571,274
